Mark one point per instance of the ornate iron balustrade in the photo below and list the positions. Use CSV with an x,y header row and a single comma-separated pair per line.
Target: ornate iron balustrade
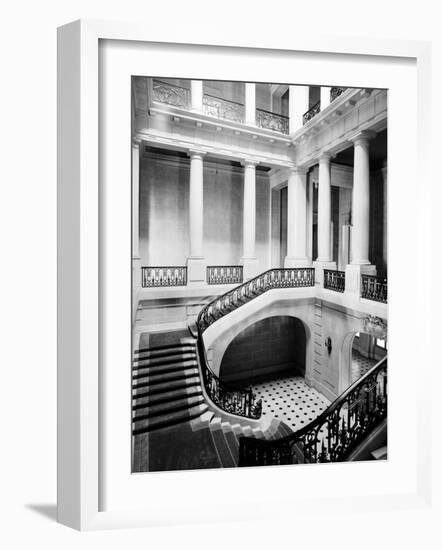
x,y
272,121
374,288
311,112
334,280
334,434
164,92
224,274
242,401
335,92
219,107
163,276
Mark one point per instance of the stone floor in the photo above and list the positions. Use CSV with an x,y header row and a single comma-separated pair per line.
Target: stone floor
x,y
291,400
360,365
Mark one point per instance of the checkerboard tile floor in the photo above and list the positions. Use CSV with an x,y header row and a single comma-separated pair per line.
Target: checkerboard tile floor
x,y
360,365
290,400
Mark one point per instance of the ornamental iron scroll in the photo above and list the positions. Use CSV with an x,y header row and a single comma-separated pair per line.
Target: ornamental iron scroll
x,y
375,326
272,121
334,434
171,94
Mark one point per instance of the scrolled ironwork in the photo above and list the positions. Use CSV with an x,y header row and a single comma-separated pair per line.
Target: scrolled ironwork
x,y
272,121
313,111
164,92
335,92
334,280
334,434
163,276
241,401
224,274
374,288
219,107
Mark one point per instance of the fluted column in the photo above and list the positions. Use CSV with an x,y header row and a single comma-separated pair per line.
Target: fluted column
x,y
324,209
360,216
325,97
298,106
296,218
196,95
361,200
196,263
250,103
249,219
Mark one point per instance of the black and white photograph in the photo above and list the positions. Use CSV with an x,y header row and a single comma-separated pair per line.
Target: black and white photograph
x,y
259,263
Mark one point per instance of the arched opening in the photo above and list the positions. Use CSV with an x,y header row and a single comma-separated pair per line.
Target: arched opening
x,y
366,351
268,349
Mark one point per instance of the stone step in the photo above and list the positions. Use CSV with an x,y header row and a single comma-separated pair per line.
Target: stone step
x,y
157,370
161,379
163,360
167,349
166,420
166,386
149,411
221,445
167,396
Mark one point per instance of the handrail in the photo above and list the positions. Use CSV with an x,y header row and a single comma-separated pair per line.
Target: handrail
x,y
239,400
313,111
164,83
273,113
363,404
224,99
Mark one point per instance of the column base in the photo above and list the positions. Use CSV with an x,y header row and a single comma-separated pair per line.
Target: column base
x,y
296,262
250,268
353,274
319,266
196,271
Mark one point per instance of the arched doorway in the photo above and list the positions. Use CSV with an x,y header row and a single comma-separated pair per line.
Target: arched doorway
x,y
270,348
366,351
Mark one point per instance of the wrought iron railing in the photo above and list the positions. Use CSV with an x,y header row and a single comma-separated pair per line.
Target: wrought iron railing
x,y
313,111
242,401
224,274
335,92
164,92
163,276
334,434
223,108
374,288
272,121
334,280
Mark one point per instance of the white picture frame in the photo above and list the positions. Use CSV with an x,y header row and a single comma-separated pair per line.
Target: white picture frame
x,y
80,363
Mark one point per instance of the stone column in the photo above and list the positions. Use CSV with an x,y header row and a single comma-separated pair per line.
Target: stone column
x,y
136,260
325,97
196,95
360,234
298,106
250,104
324,260
296,219
250,262
196,268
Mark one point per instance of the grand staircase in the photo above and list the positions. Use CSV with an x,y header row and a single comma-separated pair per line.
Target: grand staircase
x,y
171,417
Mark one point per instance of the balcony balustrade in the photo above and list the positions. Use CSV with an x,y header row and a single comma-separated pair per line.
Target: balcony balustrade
x,y
334,280
224,274
171,94
219,107
374,288
163,276
335,92
272,121
313,111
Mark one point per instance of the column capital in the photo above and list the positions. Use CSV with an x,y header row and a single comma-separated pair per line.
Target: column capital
x,y
250,162
363,136
298,170
325,157
136,142
196,153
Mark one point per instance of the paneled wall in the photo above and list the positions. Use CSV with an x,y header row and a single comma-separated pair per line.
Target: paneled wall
x,y
164,212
